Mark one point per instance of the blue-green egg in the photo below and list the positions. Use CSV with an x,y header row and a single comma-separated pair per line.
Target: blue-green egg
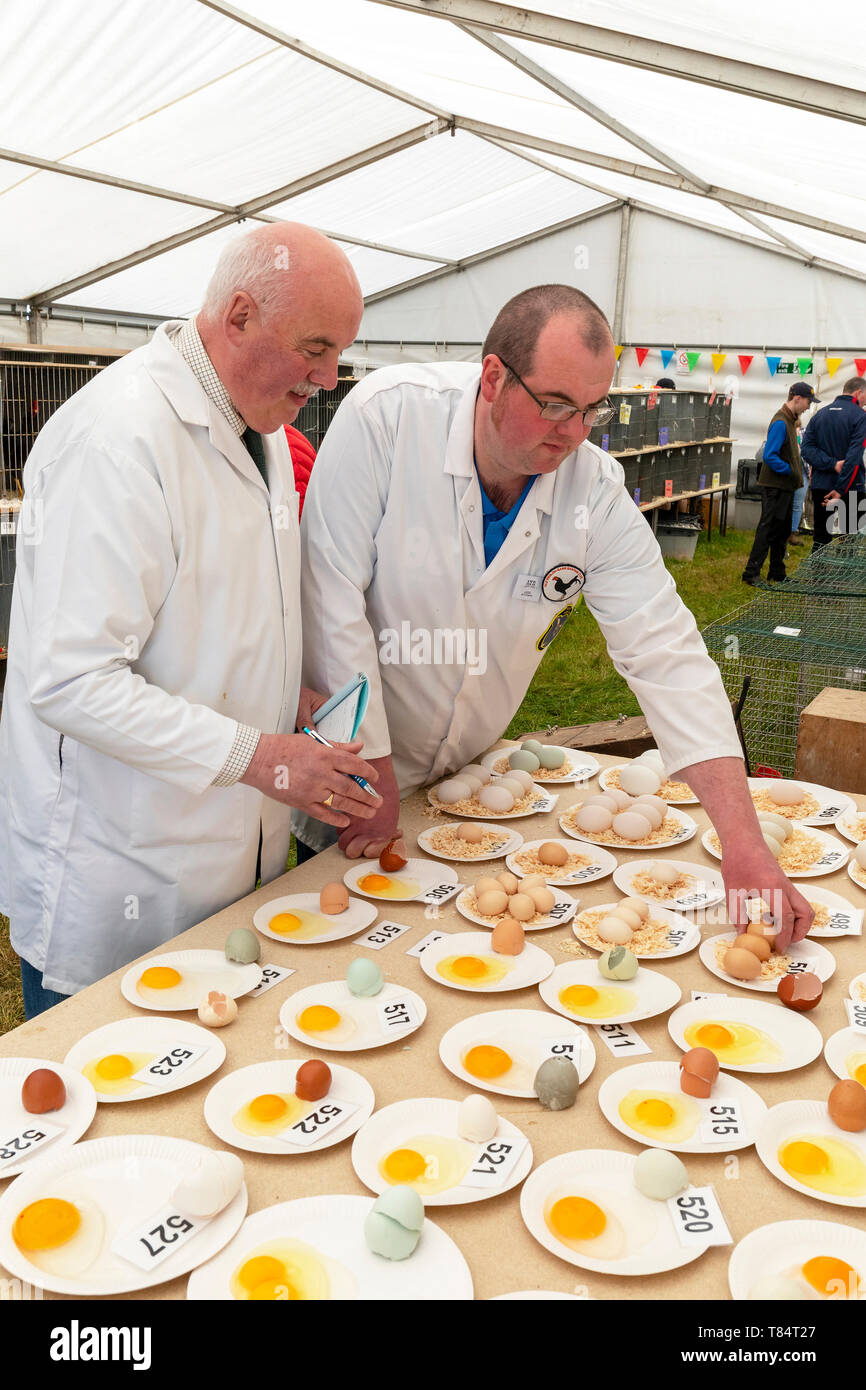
x,y
243,945
364,978
618,963
392,1227
523,760
551,758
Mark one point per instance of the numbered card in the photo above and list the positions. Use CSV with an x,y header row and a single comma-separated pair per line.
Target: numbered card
x,y
495,1162
320,1121
544,803
170,1064
153,1240
397,1014
621,1039
698,1218
798,967
561,909
687,902
429,940
27,1141
570,1047
271,975
845,923
856,1013
723,1121
442,892
677,935
527,587
382,933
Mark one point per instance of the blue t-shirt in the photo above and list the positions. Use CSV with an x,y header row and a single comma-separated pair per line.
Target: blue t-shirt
x,y
497,524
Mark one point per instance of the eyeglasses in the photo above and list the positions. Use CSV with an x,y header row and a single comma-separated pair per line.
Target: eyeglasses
x,y
558,410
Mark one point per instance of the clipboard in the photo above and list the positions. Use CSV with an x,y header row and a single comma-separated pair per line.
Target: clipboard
x,y
340,717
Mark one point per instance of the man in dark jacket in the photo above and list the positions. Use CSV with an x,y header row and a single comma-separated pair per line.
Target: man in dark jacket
x,y
833,445
780,476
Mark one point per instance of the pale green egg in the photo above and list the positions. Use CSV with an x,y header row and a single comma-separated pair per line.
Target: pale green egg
x,y
618,963
392,1227
364,978
242,945
551,758
524,760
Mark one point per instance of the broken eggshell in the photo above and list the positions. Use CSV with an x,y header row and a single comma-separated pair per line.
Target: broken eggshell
x,y
210,1186
217,1009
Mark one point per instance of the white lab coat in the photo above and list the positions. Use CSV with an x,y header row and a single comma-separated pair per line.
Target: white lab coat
x,y
156,605
392,533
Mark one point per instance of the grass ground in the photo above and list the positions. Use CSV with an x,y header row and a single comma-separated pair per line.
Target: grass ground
x,y
575,683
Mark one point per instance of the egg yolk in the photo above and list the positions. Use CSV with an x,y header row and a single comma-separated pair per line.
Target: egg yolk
x,y
114,1068
46,1224
373,883
831,1277
802,1157
468,967
284,923
404,1165
267,1107
260,1269
713,1035
576,1218
160,977
274,1291
487,1061
860,1074
655,1112
318,1018
578,996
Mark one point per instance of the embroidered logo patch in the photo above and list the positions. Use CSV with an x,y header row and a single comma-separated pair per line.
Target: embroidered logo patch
x,y
554,627
563,581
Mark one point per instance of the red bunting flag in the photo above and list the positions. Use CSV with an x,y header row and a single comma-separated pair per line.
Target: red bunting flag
x,y
745,363
641,355
860,364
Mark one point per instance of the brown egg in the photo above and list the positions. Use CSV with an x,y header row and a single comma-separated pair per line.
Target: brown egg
x,y
507,939
510,882
334,898
743,965
626,914
521,907
552,853
699,1069
472,834
765,933
393,856
492,903
488,884
542,897
43,1090
313,1080
800,992
847,1106
758,945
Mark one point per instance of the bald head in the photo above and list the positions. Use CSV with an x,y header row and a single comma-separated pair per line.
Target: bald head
x,y
516,330
282,304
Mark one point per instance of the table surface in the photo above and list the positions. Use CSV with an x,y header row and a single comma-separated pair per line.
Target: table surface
x,y
501,1254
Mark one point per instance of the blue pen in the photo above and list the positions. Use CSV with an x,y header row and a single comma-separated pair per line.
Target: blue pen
x,y
362,781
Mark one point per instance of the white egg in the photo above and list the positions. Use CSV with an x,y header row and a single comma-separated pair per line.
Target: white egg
x,y
477,1120
605,799
772,832
653,757
651,811
664,873
785,793
639,781
496,798
208,1188
511,784
656,801
632,918
621,798
772,844
781,823
860,854
474,783
455,789
476,770
594,819
518,775
630,825
615,930
637,906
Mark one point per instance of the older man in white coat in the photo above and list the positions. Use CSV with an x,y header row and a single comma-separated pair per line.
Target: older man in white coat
x,y
147,747
461,509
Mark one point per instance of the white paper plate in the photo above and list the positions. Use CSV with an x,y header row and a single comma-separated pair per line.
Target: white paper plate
x,y
656,993
334,1226
665,1076
564,909
581,766
537,1296
511,840
849,917
356,917
525,1034
686,829
847,823
832,804
799,1118
201,972
818,961
529,968
367,1033
226,1098
544,801
857,988
74,1117
853,870
605,1176
685,934
784,1246
128,1176
395,1125
801,1042
605,781
835,854
153,1036
419,871
709,887
842,1045
602,863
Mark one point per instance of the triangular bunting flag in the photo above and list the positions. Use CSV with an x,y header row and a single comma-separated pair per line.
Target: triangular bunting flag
x,y
804,366
773,364
718,360
641,355
860,365
833,364
693,360
617,347
667,354
745,363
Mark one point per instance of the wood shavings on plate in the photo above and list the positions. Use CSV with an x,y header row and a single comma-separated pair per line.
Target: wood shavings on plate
x,y
529,862
809,806
648,938
445,840
646,886
669,827
541,774
772,969
668,791
800,851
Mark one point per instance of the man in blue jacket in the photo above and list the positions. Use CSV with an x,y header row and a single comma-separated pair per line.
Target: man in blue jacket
x,y
833,445
780,476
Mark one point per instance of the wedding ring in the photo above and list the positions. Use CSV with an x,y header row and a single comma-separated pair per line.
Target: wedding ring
x,y
328,799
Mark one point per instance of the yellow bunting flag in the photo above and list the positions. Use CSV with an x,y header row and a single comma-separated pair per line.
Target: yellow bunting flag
x,y
718,360
617,347
833,364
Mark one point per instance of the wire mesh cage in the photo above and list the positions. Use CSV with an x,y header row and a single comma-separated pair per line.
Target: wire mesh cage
x,y
838,569
315,417
792,645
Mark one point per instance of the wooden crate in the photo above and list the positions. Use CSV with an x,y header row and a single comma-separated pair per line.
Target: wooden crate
x,y
831,740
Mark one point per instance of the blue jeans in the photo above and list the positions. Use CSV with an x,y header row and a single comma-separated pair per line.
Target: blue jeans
x,y
36,999
799,499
